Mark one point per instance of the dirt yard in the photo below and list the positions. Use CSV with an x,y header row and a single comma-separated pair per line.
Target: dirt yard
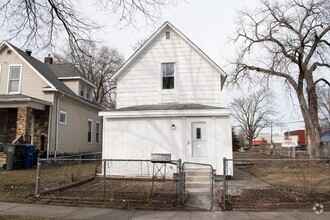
x,y
292,183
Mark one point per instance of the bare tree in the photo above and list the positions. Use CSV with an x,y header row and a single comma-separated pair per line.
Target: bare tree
x,y
290,41
253,113
40,22
323,98
139,44
98,66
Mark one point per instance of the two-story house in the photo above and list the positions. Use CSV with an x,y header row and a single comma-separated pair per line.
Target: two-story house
x,y
169,101
46,104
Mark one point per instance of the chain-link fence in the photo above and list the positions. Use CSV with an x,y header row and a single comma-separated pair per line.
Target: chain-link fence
x,y
198,185
275,183
113,183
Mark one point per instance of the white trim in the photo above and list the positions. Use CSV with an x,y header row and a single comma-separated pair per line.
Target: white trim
x,y
90,120
0,73
162,76
20,78
77,77
166,113
27,63
82,88
66,118
97,131
153,37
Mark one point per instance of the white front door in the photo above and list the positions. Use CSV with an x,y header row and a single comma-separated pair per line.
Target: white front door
x,y
197,144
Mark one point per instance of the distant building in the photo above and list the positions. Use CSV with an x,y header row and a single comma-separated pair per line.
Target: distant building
x,y
297,135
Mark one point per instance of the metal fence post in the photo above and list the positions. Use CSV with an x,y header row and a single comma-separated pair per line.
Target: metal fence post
x,y
224,182
38,178
180,181
104,177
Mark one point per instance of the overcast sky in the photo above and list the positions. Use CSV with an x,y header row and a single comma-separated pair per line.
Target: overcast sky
x,y
209,24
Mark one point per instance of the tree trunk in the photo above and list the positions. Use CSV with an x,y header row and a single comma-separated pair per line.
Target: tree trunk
x,y
310,116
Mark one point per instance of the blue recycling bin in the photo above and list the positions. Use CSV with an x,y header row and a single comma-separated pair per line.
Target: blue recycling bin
x,y
28,156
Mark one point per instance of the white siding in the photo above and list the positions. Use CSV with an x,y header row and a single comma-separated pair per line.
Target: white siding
x,y
137,138
196,81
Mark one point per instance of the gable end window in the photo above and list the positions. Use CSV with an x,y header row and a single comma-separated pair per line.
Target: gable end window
x,y
14,79
168,35
89,130
168,75
63,118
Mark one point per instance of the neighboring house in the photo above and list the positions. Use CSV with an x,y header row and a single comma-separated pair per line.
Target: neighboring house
x,y
169,101
45,104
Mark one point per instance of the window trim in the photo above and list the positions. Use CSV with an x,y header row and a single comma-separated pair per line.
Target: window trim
x,y
162,77
82,87
97,131
20,78
66,117
91,131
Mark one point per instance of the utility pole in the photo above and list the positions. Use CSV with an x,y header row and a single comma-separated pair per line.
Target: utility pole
x,y
271,133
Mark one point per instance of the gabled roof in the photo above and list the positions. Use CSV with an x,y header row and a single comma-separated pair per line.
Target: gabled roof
x,y
49,76
65,71
182,36
41,69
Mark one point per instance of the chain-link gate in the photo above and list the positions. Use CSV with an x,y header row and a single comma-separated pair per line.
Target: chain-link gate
x,y
197,182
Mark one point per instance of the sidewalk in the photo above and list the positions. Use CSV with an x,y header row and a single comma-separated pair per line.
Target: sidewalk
x,y
66,212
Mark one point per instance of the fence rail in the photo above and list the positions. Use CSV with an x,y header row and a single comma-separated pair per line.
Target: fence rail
x,y
275,183
119,183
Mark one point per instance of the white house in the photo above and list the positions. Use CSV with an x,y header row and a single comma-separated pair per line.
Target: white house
x,y
169,101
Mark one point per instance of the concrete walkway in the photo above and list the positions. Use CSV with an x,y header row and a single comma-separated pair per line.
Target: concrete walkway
x,y
67,212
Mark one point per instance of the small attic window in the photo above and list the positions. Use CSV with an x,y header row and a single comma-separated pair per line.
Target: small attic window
x,y
167,35
9,51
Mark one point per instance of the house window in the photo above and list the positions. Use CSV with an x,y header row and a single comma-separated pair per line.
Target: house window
x,y
3,122
63,118
168,35
89,130
88,94
97,132
82,90
168,75
14,79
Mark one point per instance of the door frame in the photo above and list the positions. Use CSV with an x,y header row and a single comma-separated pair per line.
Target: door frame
x,y
209,140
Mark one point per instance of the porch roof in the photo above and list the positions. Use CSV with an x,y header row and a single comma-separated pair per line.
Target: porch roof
x,y
19,100
166,110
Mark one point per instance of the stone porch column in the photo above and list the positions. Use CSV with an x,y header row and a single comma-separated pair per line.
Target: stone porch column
x,y
24,118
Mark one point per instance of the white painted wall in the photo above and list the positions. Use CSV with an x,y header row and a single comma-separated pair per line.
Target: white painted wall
x,y
196,81
137,138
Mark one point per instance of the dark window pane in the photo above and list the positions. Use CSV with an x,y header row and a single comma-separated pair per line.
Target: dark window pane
x,y
198,133
168,35
168,82
168,69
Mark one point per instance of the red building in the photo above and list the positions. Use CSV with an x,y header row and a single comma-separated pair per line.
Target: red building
x,y
301,134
